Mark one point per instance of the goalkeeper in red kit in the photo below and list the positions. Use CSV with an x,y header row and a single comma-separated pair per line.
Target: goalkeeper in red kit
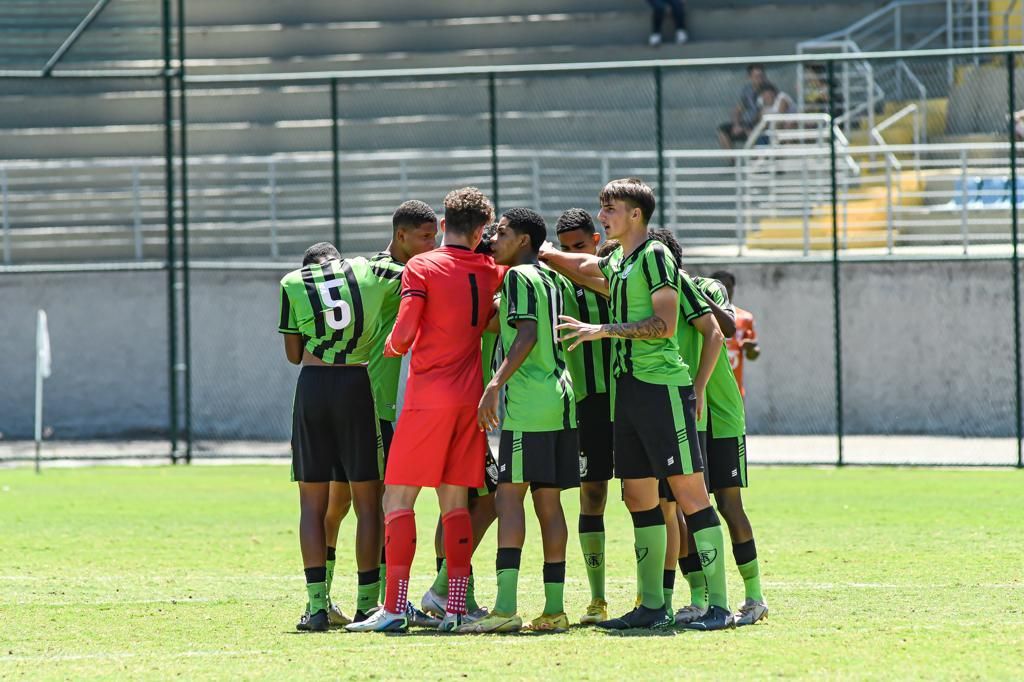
x,y
447,301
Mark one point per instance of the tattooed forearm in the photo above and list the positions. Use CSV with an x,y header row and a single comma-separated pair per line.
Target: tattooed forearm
x,y
651,328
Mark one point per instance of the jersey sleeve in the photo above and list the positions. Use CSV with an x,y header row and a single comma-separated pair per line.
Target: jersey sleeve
x,y
287,323
717,293
691,302
521,298
606,265
659,268
414,280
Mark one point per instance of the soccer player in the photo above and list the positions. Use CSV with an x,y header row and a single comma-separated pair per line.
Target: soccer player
x,y
413,231
328,308
655,401
743,344
446,304
589,365
539,451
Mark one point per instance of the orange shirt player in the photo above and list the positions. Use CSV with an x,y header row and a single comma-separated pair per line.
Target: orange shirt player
x,y
744,342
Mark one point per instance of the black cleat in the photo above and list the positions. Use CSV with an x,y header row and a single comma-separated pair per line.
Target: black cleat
x,y
640,617
716,618
363,615
317,622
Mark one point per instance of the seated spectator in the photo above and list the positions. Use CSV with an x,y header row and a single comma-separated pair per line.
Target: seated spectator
x,y
658,17
747,111
815,89
774,102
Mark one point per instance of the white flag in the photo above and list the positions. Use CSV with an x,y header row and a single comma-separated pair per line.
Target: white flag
x,y
43,346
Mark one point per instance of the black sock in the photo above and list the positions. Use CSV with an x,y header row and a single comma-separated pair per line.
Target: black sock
x,y
745,552
438,561
331,554
317,574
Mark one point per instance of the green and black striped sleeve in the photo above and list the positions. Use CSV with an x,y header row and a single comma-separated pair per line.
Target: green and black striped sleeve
x,y
691,301
521,296
659,267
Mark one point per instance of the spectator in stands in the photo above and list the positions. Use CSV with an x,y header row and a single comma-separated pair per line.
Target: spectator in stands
x,y
747,111
774,102
658,17
1018,124
815,89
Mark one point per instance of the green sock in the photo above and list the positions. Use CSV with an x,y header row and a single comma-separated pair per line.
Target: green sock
x,y
668,584
592,544
440,585
690,565
471,604
554,588
711,548
650,538
746,560
317,593
368,590
507,566
331,554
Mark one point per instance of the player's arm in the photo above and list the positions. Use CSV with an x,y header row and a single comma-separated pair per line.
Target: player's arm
x,y
289,328
723,312
582,268
660,325
526,339
410,311
707,325
293,344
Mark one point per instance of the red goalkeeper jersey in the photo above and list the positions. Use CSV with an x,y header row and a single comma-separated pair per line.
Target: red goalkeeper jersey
x,y
447,300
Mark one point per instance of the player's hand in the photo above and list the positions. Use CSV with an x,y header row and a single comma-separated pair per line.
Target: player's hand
x,y
700,404
545,249
578,332
487,411
751,350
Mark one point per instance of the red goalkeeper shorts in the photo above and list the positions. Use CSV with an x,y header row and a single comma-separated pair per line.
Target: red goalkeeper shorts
x,y
436,446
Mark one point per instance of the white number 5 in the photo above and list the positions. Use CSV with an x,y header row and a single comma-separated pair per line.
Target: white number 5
x,y
342,316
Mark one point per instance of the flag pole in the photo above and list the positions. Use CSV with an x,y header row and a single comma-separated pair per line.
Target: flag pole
x,y
42,371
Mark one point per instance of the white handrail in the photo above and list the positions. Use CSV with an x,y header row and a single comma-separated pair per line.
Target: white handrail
x,y
876,132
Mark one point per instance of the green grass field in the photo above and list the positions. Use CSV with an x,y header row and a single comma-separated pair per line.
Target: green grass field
x,y
195,573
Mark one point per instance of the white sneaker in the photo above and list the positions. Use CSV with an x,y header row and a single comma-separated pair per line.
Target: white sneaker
x,y
751,612
690,613
433,603
381,621
452,622
681,37
654,40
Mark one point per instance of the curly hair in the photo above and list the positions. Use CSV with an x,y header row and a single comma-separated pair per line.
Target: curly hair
x,y
608,248
529,222
575,219
634,191
466,209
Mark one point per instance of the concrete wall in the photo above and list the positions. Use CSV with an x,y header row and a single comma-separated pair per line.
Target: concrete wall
x,y
927,348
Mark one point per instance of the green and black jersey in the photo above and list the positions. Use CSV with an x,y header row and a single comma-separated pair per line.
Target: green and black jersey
x,y
539,396
336,307
632,280
590,363
384,372
724,400
691,306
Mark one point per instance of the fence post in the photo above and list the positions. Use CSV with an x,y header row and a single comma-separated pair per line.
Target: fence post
x,y
272,190
6,216
186,279
136,214
492,102
335,166
888,204
172,284
1015,257
836,317
964,198
535,184
660,135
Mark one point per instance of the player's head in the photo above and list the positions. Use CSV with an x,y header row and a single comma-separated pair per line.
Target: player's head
x,y
576,232
414,228
486,245
467,212
669,240
757,75
727,279
608,248
626,204
521,232
321,252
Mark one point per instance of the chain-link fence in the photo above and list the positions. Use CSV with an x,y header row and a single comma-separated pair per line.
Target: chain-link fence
x,y
867,204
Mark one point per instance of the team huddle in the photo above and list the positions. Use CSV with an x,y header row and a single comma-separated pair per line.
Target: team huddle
x,y
593,360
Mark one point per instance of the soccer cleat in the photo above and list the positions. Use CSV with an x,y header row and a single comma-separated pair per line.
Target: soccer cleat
x,y
596,612
688,614
419,619
479,614
336,617
654,40
752,611
549,622
495,622
452,622
381,621
681,37
433,603
716,618
640,617
317,622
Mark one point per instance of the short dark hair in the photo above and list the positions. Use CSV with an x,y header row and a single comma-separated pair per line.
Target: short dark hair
x,y
486,245
466,209
575,219
529,222
319,251
768,87
608,248
412,213
755,65
725,277
669,240
634,191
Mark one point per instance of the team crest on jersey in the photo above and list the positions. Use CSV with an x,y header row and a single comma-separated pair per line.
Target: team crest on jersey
x,y
594,560
708,556
641,553
584,467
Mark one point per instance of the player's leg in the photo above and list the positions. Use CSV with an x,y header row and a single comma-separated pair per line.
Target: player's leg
x,y
313,500
689,560
595,437
547,504
387,435
339,502
366,499
668,512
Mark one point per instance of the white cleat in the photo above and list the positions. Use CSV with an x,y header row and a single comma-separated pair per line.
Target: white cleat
x,y
452,622
751,612
433,603
688,614
381,621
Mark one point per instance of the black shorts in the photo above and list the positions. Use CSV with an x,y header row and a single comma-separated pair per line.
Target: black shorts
x,y
387,433
545,459
655,430
490,477
665,490
593,415
727,461
335,433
